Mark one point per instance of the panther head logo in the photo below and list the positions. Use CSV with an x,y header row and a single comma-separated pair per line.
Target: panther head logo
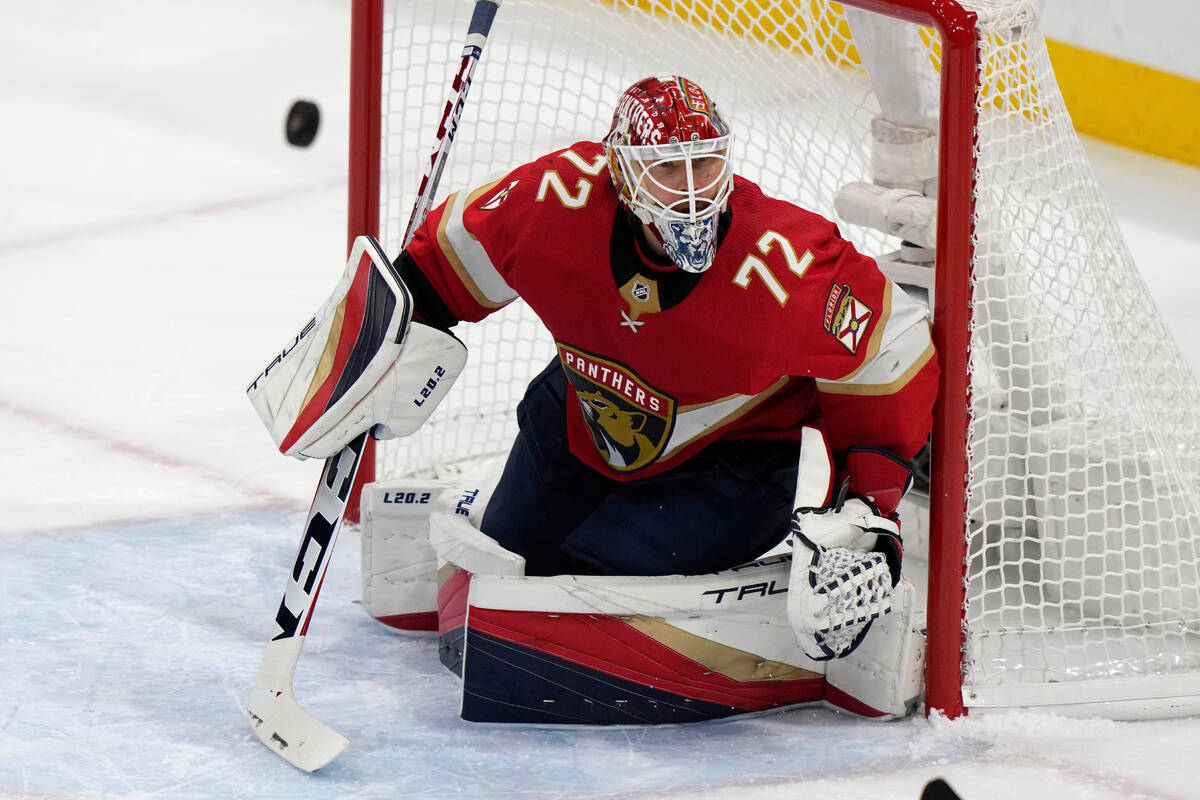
x,y
630,421
618,431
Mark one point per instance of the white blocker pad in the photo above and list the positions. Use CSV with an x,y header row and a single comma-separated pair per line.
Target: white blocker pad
x,y
359,364
399,566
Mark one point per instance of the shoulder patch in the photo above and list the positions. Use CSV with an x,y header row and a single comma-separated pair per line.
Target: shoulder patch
x,y
499,197
846,317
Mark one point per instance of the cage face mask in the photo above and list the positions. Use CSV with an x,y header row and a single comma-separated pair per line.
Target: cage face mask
x,y
668,154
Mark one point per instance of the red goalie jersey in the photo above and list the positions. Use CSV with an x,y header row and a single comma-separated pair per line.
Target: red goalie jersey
x,y
789,326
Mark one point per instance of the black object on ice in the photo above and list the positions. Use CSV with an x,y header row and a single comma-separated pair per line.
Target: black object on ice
x,y
938,789
303,119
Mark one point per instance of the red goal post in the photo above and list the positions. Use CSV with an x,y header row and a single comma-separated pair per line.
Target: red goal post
x,y
1062,522
362,205
956,185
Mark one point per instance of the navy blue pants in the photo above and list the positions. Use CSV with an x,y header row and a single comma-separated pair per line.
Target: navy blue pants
x,y
724,506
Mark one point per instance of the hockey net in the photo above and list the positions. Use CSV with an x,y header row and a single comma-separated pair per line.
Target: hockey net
x,y
1063,569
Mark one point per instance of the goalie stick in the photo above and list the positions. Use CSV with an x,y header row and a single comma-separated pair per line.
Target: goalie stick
x,y
275,717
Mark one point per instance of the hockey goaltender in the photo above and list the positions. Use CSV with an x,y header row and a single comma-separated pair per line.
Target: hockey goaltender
x,y
698,517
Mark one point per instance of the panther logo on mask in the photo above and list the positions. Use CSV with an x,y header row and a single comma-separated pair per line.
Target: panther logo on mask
x,y
690,245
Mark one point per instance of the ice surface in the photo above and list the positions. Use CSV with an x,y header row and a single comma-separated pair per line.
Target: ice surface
x,y
157,240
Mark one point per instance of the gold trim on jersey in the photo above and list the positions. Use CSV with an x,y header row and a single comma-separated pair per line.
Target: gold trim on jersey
x,y
695,421
902,350
877,389
466,255
881,323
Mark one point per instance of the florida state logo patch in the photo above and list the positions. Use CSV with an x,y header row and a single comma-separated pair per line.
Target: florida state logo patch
x,y
629,419
846,317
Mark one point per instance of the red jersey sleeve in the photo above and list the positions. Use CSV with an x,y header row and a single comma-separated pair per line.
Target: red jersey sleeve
x,y
464,247
864,343
882,396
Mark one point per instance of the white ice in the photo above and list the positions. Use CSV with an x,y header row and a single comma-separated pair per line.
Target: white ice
x,y
157,239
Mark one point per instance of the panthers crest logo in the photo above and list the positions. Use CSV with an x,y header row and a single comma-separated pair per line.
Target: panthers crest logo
x,y
630,420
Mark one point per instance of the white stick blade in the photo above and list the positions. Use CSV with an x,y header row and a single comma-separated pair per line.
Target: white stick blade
x,y
297,736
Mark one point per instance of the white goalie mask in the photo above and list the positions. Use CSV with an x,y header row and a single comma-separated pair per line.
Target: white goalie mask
x,y
668,155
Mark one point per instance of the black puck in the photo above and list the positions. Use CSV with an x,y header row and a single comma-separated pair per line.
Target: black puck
x,y
303,119
938,789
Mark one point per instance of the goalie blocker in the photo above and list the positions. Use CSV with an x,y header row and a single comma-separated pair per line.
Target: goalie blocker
x,y
359,364
619,650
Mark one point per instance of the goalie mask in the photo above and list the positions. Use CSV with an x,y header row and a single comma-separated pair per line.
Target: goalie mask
x,y
668,156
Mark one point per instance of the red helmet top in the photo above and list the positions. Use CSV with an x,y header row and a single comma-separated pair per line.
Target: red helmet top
x,y
662,110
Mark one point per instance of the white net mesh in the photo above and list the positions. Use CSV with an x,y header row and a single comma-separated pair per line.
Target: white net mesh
x,y
1082,461
550,76
1083,434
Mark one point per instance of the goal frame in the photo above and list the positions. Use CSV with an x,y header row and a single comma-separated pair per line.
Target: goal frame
x,y
952,294
362,204
957,124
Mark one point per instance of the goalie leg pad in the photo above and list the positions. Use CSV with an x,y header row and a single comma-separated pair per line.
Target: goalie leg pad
x,y
462,549
632,650
882,678
591,649
399,565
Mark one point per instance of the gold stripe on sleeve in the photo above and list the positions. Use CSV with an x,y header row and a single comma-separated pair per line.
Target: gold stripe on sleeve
x,y
881,323
879,389
455,205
